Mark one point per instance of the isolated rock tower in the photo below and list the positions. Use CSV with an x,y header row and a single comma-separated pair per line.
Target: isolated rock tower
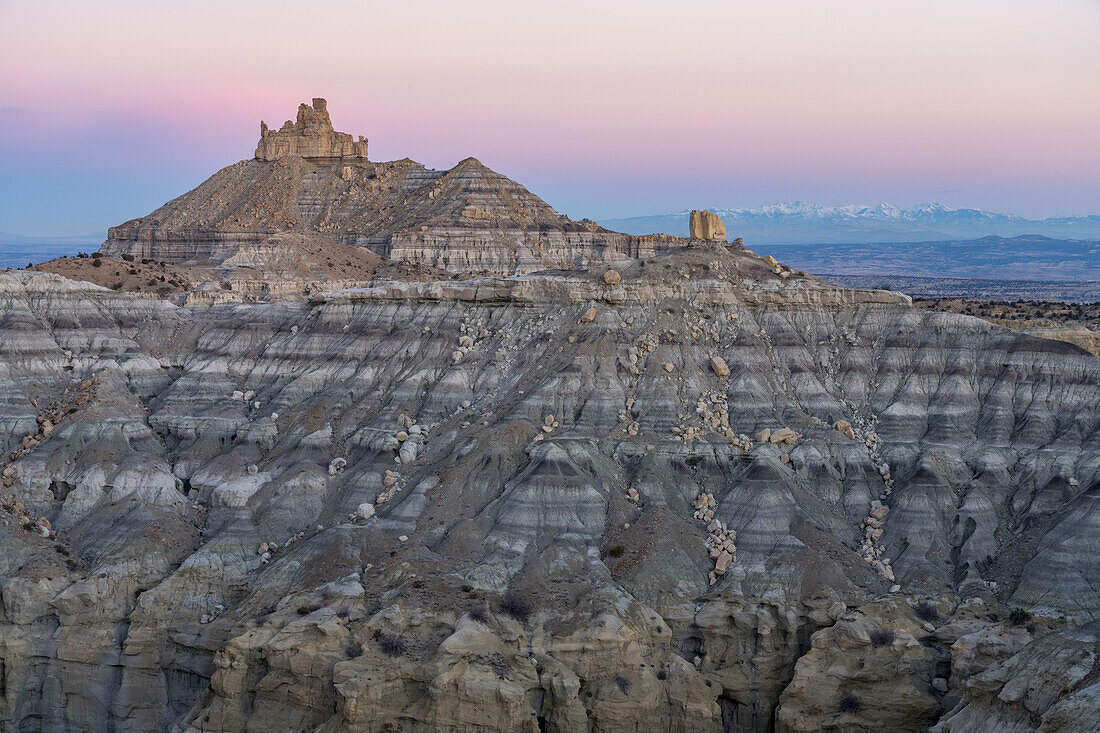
x,y
311,137
707,226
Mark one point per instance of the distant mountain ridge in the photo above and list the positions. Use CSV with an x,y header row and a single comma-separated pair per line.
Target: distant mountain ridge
x,y
804,223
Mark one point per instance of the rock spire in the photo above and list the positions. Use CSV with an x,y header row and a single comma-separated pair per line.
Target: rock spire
x,y
707,226
311,136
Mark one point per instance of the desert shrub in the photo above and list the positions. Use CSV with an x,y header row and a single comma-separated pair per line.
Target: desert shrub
x,y
477,613
97,255
848,703
515,605
128,258
662,675
353,650
392,644
1018,617
622,683
926,611
882,637
303,610
616,551
97,262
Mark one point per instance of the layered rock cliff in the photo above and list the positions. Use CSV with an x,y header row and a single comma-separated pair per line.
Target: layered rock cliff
x,y
692,491
305,179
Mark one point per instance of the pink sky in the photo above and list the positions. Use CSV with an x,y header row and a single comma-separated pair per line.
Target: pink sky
x,y
604,108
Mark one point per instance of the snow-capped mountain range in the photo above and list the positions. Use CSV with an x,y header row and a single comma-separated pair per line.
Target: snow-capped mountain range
x,y
799,222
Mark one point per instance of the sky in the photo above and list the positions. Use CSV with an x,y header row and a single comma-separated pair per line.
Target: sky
x,y
604,108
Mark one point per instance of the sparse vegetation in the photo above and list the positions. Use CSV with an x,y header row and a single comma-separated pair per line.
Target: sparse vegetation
x,y
882,637
927,612
478,613
848,703
392,644
516,605
1018,617
128,258
616,551
623,684
352,650
662,675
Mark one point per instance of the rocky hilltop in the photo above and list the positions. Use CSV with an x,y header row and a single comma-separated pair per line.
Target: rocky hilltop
x,y
690,490
307,179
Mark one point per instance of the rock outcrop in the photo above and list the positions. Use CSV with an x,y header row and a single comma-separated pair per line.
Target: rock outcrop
x,y
311,137
707,226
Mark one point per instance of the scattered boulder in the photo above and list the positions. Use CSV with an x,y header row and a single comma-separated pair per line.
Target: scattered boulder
x,y
718,364
845,428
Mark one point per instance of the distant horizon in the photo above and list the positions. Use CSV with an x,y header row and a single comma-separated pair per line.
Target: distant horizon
x,y
10,236
608,109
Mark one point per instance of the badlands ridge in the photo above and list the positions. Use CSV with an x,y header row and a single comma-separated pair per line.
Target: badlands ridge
x,y
358,446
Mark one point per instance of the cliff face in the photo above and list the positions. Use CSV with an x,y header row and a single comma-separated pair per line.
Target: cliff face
x,y
697,491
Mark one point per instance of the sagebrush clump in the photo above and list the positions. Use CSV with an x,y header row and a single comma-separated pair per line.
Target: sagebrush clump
x,y
848,703
392,644
927,612
515,605
882,637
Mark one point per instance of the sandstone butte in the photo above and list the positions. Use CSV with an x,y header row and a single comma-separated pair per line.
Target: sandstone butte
x,y
381,448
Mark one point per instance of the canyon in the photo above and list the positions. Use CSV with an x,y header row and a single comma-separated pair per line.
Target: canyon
x,y
392,449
